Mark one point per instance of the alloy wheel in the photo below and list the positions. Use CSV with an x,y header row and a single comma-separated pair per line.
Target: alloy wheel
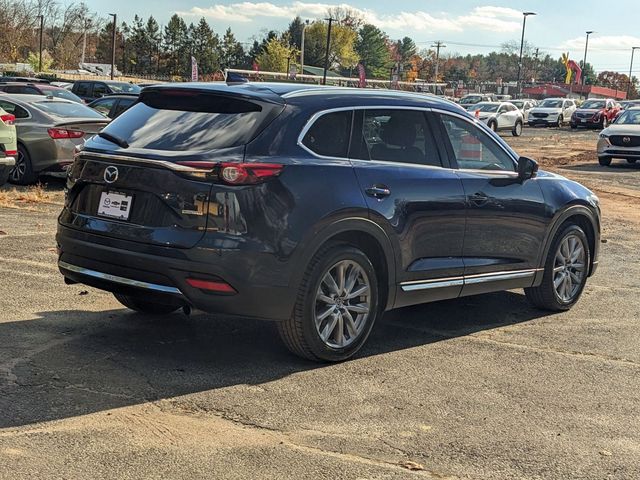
x,y
20,168
569,268
518,129
342,304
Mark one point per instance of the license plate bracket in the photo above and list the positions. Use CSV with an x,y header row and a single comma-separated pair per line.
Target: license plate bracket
x,y
115,205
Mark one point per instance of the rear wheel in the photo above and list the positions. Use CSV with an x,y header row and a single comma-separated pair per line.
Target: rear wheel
x,y
517,129
336,307
22,172
493,126
605,122
565,271
141,305
604,161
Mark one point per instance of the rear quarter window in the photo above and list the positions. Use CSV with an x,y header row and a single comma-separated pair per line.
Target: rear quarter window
x,y
329,135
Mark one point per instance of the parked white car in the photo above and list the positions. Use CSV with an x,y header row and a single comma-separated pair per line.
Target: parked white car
x,y
552,111
499,116
621,139
524,105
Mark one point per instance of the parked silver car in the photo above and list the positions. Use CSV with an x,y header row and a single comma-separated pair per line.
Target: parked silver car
x,y
621,139
48,129
524,105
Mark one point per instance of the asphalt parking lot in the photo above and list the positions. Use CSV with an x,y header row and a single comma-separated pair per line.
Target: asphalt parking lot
x,y
478,388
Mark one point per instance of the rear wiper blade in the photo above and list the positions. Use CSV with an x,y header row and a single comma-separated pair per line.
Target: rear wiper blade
x,y
113,139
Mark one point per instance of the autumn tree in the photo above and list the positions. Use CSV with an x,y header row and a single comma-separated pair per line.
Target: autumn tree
x,y
372,50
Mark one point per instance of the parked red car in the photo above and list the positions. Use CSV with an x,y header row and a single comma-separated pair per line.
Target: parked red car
x,y
595,112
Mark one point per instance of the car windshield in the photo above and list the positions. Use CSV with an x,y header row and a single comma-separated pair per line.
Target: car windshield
x,y
484,107
627,105
518,103
551,104
595,104
62,93
122,87
629,117
471,99
67,109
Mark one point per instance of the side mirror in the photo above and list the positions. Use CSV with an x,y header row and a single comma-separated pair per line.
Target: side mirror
x,y
527,168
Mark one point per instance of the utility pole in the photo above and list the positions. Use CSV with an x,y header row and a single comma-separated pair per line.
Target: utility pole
x,y
326,53
584,62
41,31
633,49
113,45
84,39
438,46
524,24
304,27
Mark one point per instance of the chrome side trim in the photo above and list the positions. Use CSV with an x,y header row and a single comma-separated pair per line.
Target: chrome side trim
x,y
428,284
468,280
156,163
121,280
498,276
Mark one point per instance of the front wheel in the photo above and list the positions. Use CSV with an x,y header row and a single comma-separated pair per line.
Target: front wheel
x,y
605,122
517,129
336,307
604,161
142,305
565,271
560,121
493,126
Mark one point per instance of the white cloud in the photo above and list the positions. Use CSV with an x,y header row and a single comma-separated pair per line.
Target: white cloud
x,y
482,18
610,43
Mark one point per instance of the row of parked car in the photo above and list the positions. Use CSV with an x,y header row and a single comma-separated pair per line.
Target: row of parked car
x,y
42,123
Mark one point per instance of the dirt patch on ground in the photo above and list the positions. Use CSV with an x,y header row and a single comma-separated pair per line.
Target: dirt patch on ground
x,y
31,197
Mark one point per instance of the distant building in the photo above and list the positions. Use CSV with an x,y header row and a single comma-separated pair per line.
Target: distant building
x,y
572,91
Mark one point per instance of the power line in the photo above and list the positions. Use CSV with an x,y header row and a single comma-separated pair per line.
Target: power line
x,y
438,45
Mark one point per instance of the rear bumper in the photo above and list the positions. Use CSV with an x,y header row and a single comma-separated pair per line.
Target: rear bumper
x,y
83,259
8,162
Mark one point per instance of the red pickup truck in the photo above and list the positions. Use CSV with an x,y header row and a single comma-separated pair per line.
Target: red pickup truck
x,y
595,112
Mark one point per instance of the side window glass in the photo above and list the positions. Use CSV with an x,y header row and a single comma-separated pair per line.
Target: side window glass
x,y
104,106
14,109
84,89
123,104
398,136
474,149
329,135
99,90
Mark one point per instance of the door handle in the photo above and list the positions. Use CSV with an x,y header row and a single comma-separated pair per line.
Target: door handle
x,y
478,199
378,191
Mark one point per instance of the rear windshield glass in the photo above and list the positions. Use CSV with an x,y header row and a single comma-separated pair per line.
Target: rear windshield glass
x,y
61,93
593,104
471,99
121,87
68,110
183,120
485,107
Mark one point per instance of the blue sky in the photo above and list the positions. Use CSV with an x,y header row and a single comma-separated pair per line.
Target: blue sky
x,y
466,26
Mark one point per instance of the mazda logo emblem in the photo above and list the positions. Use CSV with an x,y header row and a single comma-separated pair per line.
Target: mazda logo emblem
x,y
110,174
626,139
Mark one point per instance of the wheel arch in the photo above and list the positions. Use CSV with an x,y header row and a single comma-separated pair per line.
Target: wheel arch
x,y
577,214
361,233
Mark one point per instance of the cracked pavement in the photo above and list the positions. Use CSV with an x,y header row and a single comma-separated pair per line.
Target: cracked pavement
x,y
477,388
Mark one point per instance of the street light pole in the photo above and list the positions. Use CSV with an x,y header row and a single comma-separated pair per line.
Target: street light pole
x,y
326,53
41,31
524,23
633,49
113,44
304,27
584,62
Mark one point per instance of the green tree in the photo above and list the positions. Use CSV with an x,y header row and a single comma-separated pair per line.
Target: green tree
x,y
205,47
152,40
341,52
175,40
295,32
276,56
372,50
231,52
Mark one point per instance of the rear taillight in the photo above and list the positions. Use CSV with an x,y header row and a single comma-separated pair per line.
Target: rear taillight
x,y
58,133
8,118
217,286
11,153
233,173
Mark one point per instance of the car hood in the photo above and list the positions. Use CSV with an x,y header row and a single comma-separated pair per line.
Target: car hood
x,y
545,110
621,130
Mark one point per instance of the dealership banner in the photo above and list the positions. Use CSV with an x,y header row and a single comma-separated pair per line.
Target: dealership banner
x,y
194,70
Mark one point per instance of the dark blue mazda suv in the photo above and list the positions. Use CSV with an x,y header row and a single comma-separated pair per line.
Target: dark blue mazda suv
x,y
317,207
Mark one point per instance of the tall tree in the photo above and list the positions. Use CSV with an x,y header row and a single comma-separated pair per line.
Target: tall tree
x,y
341,52
175,40
372,50
276,56
205,47
231,52
295,32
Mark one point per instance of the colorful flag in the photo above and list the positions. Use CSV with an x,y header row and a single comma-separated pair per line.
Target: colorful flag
x,y
194,70
362,76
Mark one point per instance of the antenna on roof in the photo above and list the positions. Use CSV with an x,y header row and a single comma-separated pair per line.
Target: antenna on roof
x,y
235,79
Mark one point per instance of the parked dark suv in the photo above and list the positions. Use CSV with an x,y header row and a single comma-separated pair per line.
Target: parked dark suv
x,y
320,208
89,90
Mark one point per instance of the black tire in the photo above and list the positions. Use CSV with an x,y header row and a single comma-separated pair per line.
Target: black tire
x,y
604,161
560,121
300,334
631,160
493,126
545,295
517,129
573,126
22,173
148,307
605,123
